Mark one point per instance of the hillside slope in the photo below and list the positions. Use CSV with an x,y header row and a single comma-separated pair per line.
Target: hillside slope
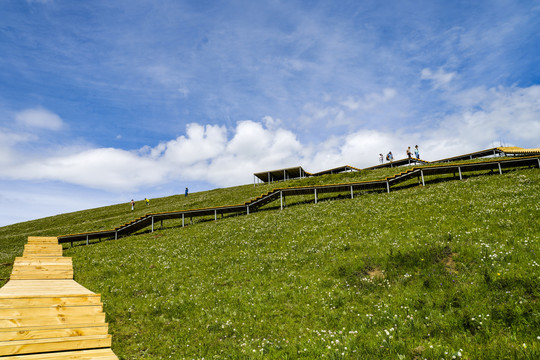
x,y
446,270
433,272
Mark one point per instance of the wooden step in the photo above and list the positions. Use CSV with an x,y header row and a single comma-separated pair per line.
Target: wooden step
x,y
42,240
41,251
43,288
45,314
41,246
7,313
55,344
96,354
44,275
52,331
94,299
60,319
28,260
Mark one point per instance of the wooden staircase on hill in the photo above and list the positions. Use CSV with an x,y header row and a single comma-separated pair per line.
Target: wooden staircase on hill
x,y
45,314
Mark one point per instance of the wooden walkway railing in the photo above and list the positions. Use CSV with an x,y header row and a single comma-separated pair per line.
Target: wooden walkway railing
x,y
421,173
45,314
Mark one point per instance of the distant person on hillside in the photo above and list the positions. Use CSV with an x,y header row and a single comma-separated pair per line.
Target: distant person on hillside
x,y
389,156
132,204
381,158
416,152
185,195
409,152
147,201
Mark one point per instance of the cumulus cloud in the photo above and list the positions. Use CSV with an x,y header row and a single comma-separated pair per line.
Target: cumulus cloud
x,y
102,168
39,118
223,156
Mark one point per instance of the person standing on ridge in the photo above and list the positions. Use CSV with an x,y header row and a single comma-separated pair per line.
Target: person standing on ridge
x,y
409,152
389,156
381,158
132,204
416,152
185,195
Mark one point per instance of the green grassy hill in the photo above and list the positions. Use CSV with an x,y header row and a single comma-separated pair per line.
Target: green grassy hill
x,y
450,270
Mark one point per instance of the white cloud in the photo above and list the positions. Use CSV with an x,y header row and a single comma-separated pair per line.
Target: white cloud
x,y
224,157
102,168
201,144
439,79
39,118
370,101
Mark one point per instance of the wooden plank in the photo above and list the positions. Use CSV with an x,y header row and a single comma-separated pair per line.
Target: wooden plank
x,y
58,344
42,240
95,354
39,251
27,260
42,246
41,288
94,299
40,266
61,319
44,275
52,331
29,248
21,269
50,311
44,314
42,253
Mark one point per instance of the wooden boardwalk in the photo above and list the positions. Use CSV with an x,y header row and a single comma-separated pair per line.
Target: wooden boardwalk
x,y
279,194
45,314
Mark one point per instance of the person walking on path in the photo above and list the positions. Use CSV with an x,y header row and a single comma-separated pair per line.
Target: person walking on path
x,y
381,158
416,152
132,204
390,157
185,195
147,201
409,152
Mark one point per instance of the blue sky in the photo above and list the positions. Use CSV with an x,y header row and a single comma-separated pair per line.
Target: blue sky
x,y
104,101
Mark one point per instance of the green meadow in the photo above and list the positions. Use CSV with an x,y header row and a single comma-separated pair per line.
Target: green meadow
x,y
446,271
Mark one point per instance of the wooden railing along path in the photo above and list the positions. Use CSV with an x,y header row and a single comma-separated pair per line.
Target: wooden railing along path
x,y
45,314
419,172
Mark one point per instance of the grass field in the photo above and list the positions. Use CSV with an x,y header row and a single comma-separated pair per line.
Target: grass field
x,y
450,270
